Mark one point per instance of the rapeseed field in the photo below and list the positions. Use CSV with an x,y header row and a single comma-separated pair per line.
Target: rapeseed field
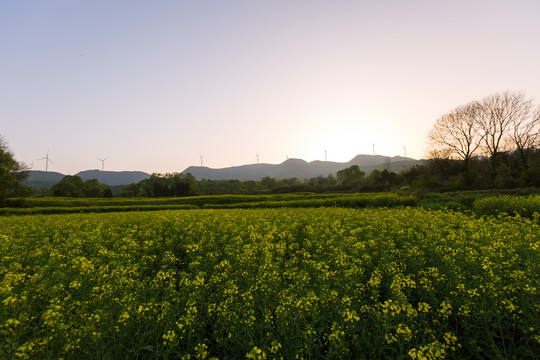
x,y
301,283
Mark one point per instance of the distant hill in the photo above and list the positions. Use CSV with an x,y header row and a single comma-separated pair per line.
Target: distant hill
x,y
38,178
301,169
291,168
114,178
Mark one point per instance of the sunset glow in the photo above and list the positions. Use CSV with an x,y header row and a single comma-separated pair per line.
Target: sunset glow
x,y
153,87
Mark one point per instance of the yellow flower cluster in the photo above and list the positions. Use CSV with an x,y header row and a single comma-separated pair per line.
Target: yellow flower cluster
x,y
270,284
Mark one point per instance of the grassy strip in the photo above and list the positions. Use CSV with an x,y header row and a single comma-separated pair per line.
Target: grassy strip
x,y
193,200
218,202
508,205
463,200
92,209
356,201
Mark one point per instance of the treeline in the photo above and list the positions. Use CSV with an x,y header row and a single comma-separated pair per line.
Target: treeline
x,y
351,179
74,186
436,174
507,171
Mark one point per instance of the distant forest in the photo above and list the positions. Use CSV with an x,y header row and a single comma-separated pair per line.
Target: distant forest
x,y
440,175
508,171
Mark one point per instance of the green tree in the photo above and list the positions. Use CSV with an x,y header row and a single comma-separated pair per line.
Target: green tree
x,y
350,176
132,190
73,186
164,185
268,183
11,174
69,186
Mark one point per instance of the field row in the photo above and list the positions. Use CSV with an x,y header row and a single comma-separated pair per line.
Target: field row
x,y
269,283
480,204
68,205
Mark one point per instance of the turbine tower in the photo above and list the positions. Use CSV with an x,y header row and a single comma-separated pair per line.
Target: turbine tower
x,y
47,160
257,158
202,157
325,155
102,163
404,151
373,149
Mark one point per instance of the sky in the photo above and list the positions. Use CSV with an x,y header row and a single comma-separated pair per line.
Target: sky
x,y
154,85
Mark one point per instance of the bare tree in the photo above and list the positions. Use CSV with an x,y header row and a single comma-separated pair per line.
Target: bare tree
x,y
455,135
496,123
525,131
499,112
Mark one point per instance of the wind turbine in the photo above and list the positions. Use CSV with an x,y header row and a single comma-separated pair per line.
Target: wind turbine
x,y
325,156
404,151
373,149
257,158
46,158
102,163
202,157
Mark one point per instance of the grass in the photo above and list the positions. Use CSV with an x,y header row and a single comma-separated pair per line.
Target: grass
x,y
71,205
528,206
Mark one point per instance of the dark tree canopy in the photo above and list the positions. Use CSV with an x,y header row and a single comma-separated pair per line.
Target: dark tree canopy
x,y
11,174
159,185
351,175
74,186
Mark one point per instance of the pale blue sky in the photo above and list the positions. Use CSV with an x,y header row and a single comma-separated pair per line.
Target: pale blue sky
x,y
151,85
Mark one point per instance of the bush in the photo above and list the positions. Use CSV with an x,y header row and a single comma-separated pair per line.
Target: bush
x,y
17,203
510,205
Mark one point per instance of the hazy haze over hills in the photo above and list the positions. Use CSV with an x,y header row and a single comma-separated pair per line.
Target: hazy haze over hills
x,y
112,178
301,169
291,168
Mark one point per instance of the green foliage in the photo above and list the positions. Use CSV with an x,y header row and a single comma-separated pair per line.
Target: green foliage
x,y
510,205
73,186
483,202
11,174
451,175
70,205
350,176
92,209
159,185
349,180
270,283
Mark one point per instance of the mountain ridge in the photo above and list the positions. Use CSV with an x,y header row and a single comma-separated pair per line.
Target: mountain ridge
x,y
111,178
301,169
290,168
